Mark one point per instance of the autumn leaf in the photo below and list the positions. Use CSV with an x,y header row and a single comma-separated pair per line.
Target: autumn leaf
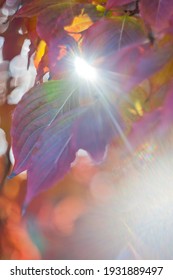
x,y
33,8
54,19
157,13
60,49
82,22
37,109
53,127
111,34
137,63
167,112
116,3
53,155
58,144
155,124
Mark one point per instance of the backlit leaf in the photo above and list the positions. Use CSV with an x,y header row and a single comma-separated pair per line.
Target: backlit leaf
x,y
95,129
115,3
55,18
109,35
156,12
53,125
59,54
32,8
88,128
53,156
137,63
34,113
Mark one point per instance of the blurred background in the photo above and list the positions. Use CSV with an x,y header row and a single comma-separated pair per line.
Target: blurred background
x,y
111,211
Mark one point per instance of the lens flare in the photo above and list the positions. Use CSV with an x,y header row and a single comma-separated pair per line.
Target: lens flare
x,y
85,70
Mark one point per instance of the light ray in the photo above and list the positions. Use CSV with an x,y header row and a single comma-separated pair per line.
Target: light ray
x,y
85,70
118,128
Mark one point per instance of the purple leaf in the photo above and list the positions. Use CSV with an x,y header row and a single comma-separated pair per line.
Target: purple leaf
x,y
59,54
156,12
116,3
137,63
89,128
50,126
34,7
53,155
52,21
34,113
110,35
95,129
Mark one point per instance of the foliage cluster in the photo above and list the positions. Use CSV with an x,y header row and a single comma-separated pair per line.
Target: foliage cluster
x,y
128,42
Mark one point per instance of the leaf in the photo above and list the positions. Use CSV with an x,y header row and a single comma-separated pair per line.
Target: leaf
x,y
83,21
166,124
30,27
12,35
156,12
59,55
110,35
116,3
79,24
1,2
33,8
50,126
55,18
88,127
144,128
155,124
95,129
137,63
40,52
42,67
4,169
53,156
35,112
51,27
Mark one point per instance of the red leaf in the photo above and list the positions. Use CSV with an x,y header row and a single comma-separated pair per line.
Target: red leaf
x,y
58,143
12,35
1,2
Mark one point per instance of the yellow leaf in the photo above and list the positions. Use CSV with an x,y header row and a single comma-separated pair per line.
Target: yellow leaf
x,y
79,24
39,52
134,108
138,107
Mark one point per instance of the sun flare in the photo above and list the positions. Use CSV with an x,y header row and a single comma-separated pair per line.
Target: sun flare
x,y
85,70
